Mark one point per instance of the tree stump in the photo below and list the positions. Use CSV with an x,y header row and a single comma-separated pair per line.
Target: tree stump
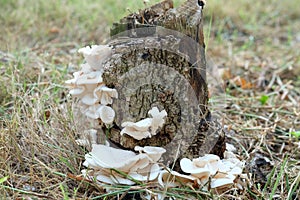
x,y
159,60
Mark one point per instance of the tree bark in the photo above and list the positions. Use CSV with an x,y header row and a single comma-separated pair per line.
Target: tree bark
x,y
159,60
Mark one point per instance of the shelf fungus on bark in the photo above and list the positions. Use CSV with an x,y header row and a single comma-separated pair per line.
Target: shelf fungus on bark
x,y
147,127
95,55
88,85
109,163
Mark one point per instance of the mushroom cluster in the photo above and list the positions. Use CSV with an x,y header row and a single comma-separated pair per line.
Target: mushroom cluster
x,y
88,85
221,173
115,166
208,171
110,165
147,127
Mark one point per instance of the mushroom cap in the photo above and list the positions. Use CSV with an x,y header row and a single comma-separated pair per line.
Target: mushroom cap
x,y
155,113
103,158
213,167
142,125
105,179
91,111
98,111
221,182
157,119
77,91
137,130
188,166
74,80
105,94
90,78
169,178
107,157
236,171
96,55
138,135
117,179
148,173
89,99
86,68
223,167
153,152
107,114
210,158
203,177
141,129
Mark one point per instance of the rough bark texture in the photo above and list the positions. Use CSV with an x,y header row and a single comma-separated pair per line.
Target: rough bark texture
x,y
152,66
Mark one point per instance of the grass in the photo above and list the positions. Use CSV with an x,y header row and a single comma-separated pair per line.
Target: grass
x,y
256,42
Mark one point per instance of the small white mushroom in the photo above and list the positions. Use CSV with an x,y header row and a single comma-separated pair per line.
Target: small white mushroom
x,y
138,130
77,91
118,179
153,152
157,119
89,99
90,78
83,91
147,127
107,114
148,173
98,111
73,81
188,166
142,125
105,94
169,178
86,68
108,157
209,162
106,179
202,173
91,111
236,171
83,85
96,55
221,182
107,176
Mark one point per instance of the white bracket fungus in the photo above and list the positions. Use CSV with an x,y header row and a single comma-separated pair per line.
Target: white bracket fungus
x,y
147,127
222,172
168,178
95,55
141,167
88,85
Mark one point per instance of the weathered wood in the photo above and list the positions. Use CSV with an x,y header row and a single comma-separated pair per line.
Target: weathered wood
x,y
144,44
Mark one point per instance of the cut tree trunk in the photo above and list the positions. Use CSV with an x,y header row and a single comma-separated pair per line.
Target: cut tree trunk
x,y
159,60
